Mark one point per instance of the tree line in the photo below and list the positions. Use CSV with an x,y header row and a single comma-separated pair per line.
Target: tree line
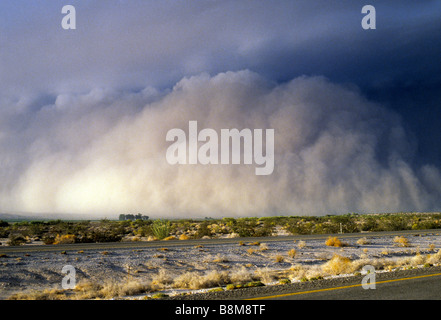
x,y
123,217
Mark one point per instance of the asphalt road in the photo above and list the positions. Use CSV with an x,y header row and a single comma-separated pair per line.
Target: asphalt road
x,y
177,243
424,286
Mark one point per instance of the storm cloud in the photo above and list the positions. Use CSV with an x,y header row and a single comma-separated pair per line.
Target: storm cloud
x,y
84,113
104,152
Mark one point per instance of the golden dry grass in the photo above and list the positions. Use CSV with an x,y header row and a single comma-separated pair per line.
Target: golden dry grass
x,y
64,239
338,265
401,241
335,242
292,253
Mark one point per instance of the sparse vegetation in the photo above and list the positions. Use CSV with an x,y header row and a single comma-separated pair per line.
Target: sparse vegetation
x,y
292,253
301,244
335,242
401,241
140,228
261,262
161,229
338,265
363,241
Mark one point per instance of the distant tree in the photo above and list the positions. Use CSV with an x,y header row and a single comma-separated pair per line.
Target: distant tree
x,y
6,224
138,216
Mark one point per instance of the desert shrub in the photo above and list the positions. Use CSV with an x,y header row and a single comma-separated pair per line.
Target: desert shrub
x,y
300,226
301,244
16,240
363,241
401,241
195,280
369,223
161,228
3,224
338,265
109,289
4,232
64,239
347,223
48,239
396,223
292,253
251,227
334,242
203,230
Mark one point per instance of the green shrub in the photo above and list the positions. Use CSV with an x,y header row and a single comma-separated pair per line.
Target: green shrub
x,y
161,228
16,240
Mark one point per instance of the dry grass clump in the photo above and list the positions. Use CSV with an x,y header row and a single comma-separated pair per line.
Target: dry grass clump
x,y
65,239
279,258
263,247
220,258
363,241
87,290
265,275
301,244
338,265
292,253
335,242
241,275
161,279
47,294
401,241
110,289
195,280
434,258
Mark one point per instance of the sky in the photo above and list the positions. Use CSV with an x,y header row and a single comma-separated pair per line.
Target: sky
x,y
84,113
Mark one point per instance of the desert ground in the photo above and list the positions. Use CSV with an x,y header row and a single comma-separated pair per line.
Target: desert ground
x,y
167,271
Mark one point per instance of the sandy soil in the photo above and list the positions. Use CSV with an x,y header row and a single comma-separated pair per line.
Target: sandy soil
x,y
40,270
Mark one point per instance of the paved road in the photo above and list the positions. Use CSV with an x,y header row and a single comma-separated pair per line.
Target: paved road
x,y
175,243
424,286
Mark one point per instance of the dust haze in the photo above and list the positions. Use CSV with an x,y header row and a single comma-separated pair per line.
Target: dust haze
x,y
103,153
